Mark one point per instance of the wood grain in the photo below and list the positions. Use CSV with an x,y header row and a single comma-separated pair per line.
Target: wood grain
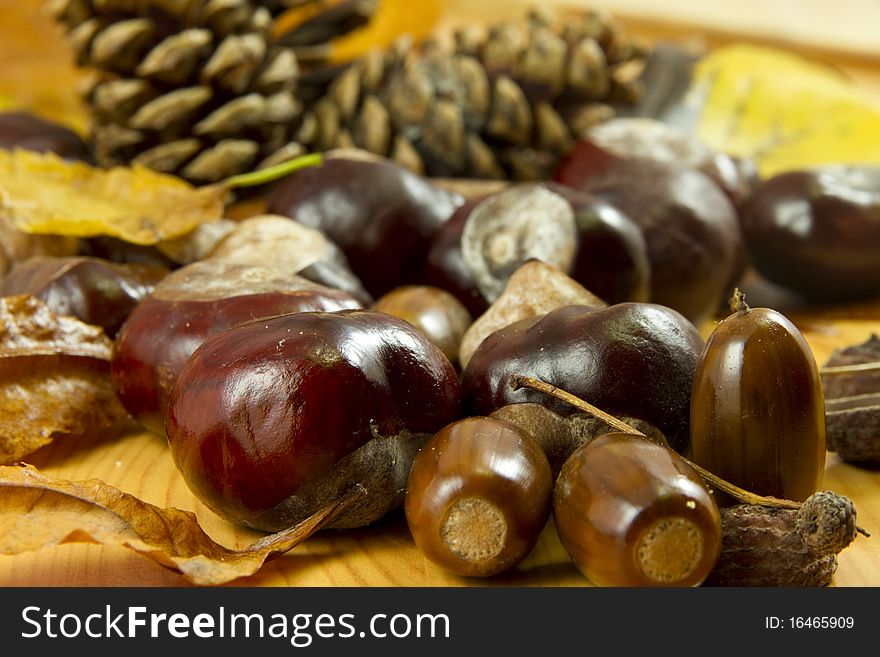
x,y
37,73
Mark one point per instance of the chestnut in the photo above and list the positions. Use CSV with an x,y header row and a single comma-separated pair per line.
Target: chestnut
x,y
435,312
817,232
478,496
535,288
644,137
381,215
273,419
757,408
186,307
691,229
634,359
444,265
34,133
94,290
612,258
604,251
631,512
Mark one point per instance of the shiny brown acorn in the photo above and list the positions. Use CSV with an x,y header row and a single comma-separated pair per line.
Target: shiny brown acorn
x,y
757,408
631,512
478,496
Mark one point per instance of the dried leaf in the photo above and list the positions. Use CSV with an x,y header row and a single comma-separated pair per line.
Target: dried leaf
x,y
43,194
782,110
41,511
54,378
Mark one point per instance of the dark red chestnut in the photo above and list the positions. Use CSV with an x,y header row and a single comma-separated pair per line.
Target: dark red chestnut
x,y
691,229
634,359
381,215
96,291
273,419
641,137
612,257
33,133
191,304
604,250
818,232
445,267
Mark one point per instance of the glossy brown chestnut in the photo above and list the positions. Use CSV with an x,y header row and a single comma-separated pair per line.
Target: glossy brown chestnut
x,y
96,291
757,409
630,512
612,258
273,419
444,265
818,232
33,133
435,312
607,252
381,215
691,228
634,359
478,496
186,307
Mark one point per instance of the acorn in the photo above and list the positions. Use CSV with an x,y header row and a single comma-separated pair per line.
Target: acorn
x,y
757,406
631,512
478,496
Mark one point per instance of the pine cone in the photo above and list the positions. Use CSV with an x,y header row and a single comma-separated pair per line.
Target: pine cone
x,y
505,103
199,88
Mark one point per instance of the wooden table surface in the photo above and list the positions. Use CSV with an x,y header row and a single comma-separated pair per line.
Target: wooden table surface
x,y
35,73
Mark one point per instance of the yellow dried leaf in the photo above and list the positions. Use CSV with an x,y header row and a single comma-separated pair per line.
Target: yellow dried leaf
x,y
54,378
783,111
41,511
42,193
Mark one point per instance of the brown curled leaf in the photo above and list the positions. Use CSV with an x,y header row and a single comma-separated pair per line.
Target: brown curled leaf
x,y
41,511
44,194
54,378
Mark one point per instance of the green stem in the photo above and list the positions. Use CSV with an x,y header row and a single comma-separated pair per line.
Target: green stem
x,y
273,173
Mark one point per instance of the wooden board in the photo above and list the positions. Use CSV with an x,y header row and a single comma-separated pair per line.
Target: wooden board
x,y
34,58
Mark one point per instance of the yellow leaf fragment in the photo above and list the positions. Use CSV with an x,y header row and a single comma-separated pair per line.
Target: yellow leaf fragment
x,y
41,511
782,110
44,194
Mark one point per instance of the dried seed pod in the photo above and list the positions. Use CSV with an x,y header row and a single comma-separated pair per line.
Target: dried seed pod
x,y
764,546
851,382
757,410
435,312
633,513
478,496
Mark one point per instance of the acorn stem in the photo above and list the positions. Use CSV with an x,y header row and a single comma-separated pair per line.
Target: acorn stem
x,y
734,491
